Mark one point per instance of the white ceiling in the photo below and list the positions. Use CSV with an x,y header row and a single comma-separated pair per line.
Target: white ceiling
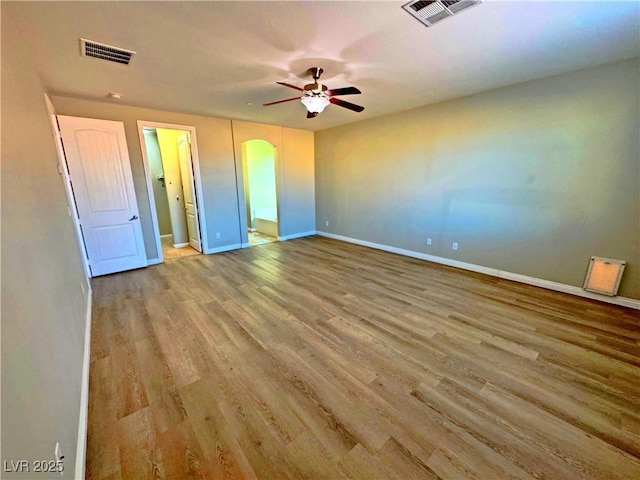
x,y
213,58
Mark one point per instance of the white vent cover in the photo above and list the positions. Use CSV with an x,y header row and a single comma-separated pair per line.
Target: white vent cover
x,y
89,48
429,12
604,275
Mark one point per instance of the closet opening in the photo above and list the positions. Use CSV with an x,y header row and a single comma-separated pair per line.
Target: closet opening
x,y
174,189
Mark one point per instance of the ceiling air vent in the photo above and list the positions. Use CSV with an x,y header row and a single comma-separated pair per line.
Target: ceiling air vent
x,y
89,48
430,12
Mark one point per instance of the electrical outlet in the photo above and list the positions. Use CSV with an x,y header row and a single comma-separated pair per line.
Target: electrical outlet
x,y
454,246
327,223
218,235
428,241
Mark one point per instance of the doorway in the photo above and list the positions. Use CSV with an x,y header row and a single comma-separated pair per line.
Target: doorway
x,y
173,182
260,191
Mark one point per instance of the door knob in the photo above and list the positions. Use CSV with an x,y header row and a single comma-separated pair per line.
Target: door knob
x,y
135,217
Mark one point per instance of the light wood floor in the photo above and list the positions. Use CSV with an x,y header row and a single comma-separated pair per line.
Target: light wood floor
x,y
257,238
313,359
169,252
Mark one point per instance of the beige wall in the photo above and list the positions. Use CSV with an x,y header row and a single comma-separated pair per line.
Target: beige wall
x,y
298,180
43,305
531,179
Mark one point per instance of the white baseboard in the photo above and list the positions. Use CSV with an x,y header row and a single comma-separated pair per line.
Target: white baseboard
x,y
245,245
181,245
168,235
225,248
81,447
516,277
296,235
153,261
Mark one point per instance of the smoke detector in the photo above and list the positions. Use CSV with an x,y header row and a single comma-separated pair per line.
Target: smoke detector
x,y
89,48
429,12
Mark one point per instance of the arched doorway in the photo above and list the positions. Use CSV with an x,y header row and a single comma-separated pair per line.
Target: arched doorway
x,y
260,191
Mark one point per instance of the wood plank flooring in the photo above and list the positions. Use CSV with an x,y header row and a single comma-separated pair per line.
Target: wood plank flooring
x,y
317,359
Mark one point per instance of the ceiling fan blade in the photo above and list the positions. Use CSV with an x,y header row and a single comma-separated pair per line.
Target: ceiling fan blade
x,y
312,114
290,86
281,101
343,91
342,103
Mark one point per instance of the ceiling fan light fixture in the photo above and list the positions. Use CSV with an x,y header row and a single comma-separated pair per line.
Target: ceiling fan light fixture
x,y
316,96
315,103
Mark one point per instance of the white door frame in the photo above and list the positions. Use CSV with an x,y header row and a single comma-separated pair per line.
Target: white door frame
x,y
195,160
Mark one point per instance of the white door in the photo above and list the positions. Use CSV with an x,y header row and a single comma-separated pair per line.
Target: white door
x,y
100,171
189,191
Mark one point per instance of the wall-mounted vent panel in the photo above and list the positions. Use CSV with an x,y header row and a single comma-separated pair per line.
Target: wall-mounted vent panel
x,y
429,12
89,48
604,275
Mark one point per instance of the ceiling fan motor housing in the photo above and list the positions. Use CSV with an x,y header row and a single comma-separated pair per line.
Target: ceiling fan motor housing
x,y
315,87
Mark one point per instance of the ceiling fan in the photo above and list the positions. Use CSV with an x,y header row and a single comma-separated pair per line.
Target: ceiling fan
x,y
316,96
